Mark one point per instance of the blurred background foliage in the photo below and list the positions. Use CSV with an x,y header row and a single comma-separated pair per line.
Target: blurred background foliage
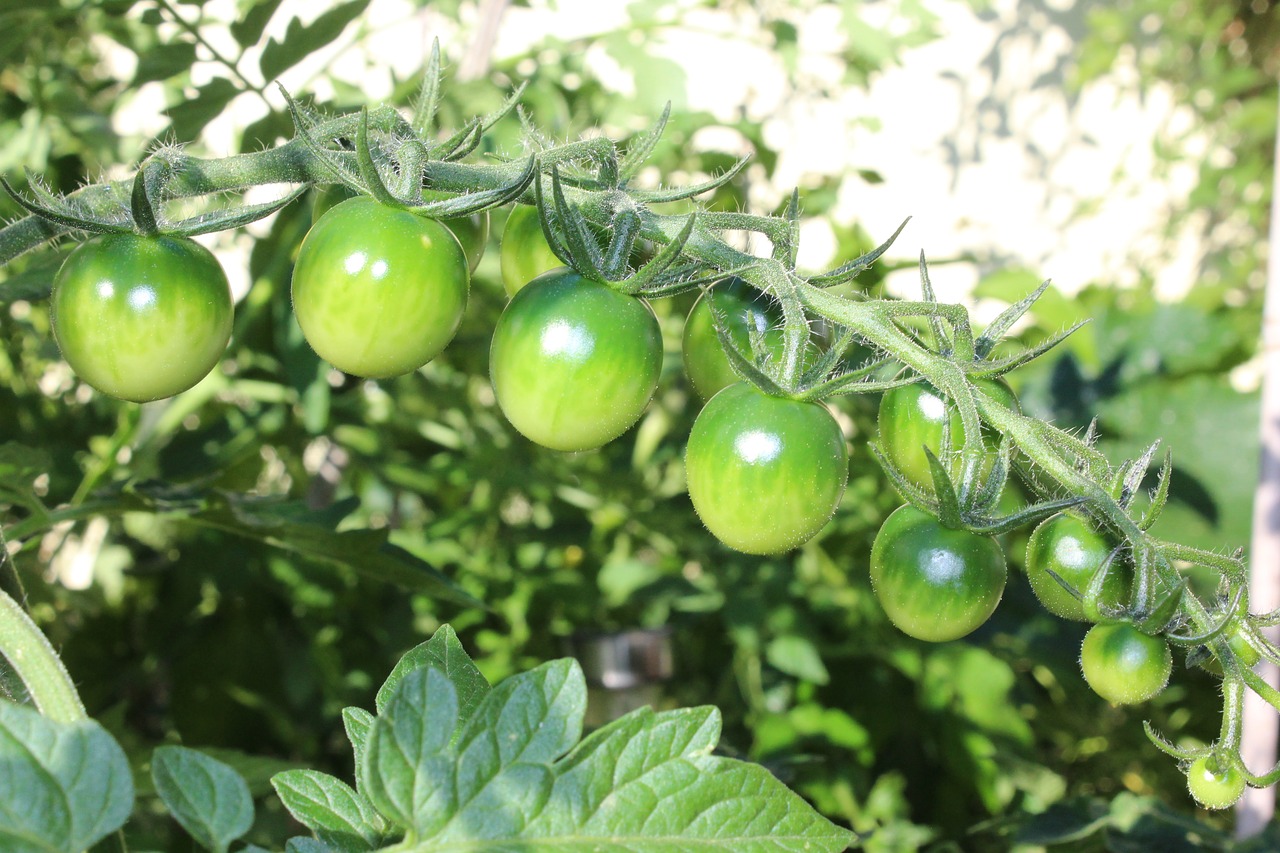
x,y
207,565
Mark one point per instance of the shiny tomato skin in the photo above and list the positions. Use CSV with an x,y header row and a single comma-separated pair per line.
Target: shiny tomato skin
x,y
141,318
1124,665
1074,550
935,583
574,362
765,474
472,231
913,417
379,291
742,308
1212,786
524,254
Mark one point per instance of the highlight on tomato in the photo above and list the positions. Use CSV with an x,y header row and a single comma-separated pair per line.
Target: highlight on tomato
x,y
765,474
917,416
574,362
141,317
379,291
1124,665
524,253
933,582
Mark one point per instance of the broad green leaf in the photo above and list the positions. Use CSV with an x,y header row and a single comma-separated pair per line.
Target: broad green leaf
x,y
514,779
648,782
445,653
408,770
207,797
302,40
62,786
337,815
504,753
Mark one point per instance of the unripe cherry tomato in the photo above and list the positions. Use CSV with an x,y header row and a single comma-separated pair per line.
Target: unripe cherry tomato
x,y
765,473
935,583
379,291
1124,665
141,317
524,254
1074,550
913,417
741,309
573,361
1213,786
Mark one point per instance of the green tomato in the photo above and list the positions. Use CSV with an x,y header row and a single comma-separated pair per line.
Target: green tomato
x,y
765,473
742,309
524,254
1211,785
141,318
917,416
935,583
1124,665
379,291
573,361
472,231
1072,549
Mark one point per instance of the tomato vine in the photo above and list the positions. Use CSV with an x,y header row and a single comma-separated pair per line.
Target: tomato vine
x,y
595,218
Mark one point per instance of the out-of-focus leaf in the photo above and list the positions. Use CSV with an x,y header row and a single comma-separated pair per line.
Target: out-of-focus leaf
x,y
302,40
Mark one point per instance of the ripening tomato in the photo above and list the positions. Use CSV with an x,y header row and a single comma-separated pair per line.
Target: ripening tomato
x,y
1073,550
1124,665
917,416
765,474
379,291
524,254
573,361
935,583
141,317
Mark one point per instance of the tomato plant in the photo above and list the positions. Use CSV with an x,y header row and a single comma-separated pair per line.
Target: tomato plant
x,y
524,254
742,310
141,317
765,473
378,291
573,361
914,417
1212,785
935,583
1124,665
1073,550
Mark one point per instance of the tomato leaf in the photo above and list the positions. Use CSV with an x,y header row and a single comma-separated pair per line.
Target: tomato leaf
x,y
63,786
189,116
646,782
209,798
253,21
302,40
339,816
445,653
